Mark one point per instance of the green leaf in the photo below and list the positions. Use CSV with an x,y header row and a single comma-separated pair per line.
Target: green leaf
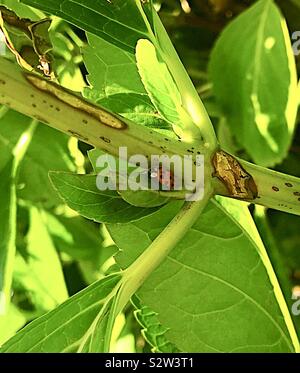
x,y
243,69
47,151
160,86
67,56
197,125
213,283
75,236
10,323
119,22
23,10
106,64
153,331
281,234
28,40
296,2
139,109
9,166
8,220
65,328
82,241
139,198
143,198
38,271
110,87
80,192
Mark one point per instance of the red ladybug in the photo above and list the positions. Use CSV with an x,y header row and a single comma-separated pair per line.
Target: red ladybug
x,y
165,178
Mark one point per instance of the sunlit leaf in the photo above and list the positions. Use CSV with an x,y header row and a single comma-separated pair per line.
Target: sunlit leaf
x,y
80,192
64,329
254,78
213,280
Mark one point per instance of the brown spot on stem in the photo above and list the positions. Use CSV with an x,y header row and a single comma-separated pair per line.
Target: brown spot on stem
x,y
238,181
76,102
105,139
76,134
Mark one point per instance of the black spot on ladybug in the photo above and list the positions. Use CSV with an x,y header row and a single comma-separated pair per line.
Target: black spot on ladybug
x,y
166,139
297,194
275,188
190,151
84,121
289,185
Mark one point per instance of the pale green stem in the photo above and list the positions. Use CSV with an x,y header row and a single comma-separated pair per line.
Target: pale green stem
x,y
137,273
62,114
157,252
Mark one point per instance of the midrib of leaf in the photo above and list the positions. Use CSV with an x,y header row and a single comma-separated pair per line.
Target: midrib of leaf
x,y
109,197
61,327
92,329
258,244
66,323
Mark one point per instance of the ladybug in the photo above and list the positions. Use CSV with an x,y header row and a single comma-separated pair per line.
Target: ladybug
x,y
165,178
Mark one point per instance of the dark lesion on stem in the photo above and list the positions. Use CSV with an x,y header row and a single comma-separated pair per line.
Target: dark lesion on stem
x,y
238,182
